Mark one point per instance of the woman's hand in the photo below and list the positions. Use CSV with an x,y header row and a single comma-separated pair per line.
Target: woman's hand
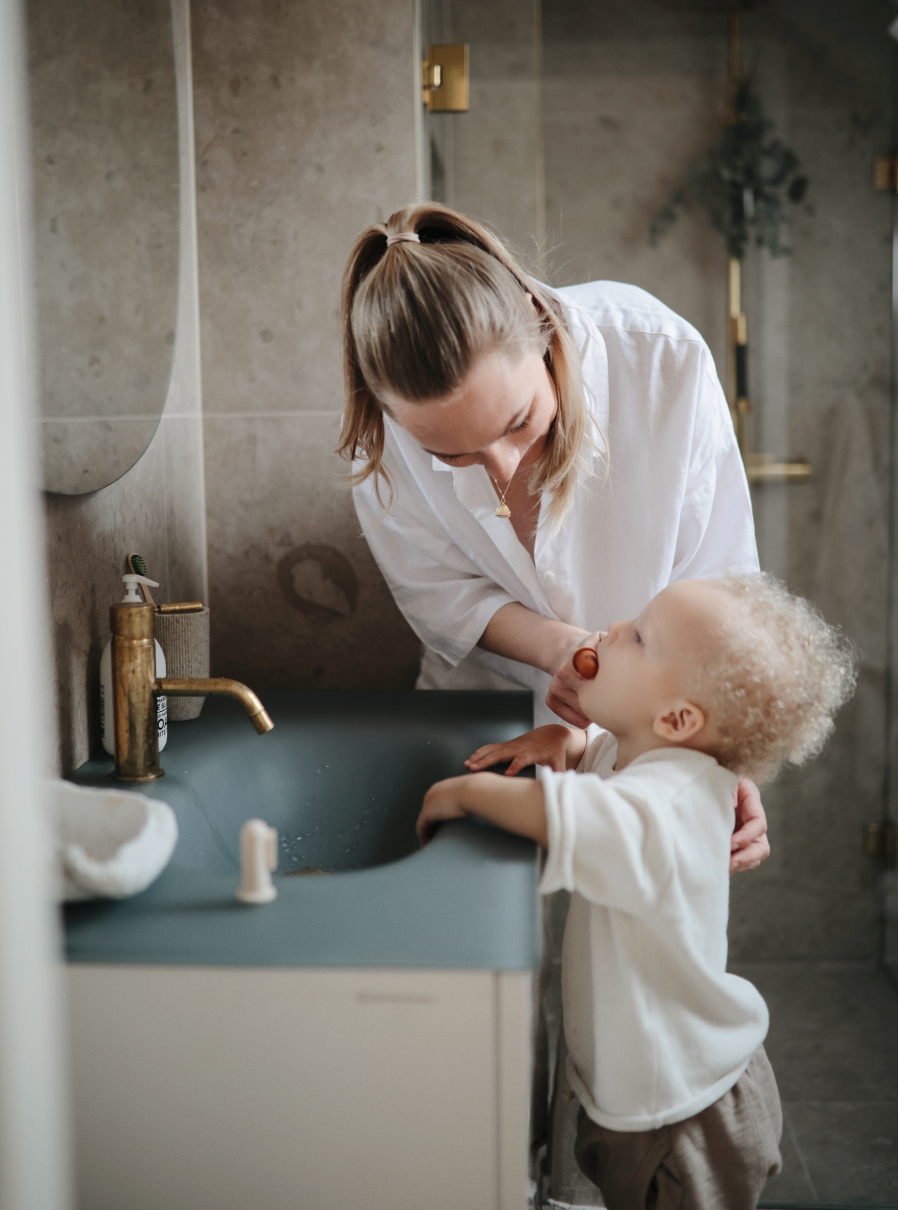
x,y
749,845
558,747
563,695
520,634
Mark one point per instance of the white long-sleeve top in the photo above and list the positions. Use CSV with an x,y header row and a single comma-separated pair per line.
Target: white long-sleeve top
x,y
674,505
656,1028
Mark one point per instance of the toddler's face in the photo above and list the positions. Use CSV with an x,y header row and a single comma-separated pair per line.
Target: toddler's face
x,y
648,664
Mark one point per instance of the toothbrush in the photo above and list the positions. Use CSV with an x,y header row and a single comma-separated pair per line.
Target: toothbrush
x,y
137,565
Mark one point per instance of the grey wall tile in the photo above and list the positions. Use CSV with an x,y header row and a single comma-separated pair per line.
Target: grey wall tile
x,y
296,598
155,510
185,505
304,134
488,162
498,175
634,94
88,540
616,145
851,1150
792,1183
833,1033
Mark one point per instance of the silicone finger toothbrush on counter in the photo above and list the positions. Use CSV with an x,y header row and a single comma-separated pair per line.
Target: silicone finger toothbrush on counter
x,y
258,858
137,564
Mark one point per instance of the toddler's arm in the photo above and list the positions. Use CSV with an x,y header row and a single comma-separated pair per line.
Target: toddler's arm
x,y
558,747
517,806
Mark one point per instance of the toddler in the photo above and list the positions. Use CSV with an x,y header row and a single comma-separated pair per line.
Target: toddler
x,y
715,680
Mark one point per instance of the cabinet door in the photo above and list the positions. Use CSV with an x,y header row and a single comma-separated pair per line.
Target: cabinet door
x,y
227,1088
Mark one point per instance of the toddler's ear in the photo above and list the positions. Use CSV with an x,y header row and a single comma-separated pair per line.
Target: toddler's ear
x,y
680,722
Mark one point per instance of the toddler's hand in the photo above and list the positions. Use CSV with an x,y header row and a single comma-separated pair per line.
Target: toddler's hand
x,y
558,747
441,802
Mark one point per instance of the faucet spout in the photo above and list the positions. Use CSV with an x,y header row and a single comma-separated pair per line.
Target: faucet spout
x,y
134,689
221,685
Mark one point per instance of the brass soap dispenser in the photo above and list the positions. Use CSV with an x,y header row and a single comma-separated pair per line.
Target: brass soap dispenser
x,y
131,598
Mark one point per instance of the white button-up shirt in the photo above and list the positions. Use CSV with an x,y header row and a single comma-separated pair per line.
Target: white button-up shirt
x,y
656,1027
673,505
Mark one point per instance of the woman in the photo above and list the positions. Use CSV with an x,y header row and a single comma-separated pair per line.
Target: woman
x,y
530,464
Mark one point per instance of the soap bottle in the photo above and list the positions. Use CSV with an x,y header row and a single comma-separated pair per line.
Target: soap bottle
x,y
107,726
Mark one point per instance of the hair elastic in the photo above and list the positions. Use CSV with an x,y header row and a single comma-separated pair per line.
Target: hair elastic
x,y
410,237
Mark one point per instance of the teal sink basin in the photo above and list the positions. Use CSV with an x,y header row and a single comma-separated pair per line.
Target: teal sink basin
x,y
341,777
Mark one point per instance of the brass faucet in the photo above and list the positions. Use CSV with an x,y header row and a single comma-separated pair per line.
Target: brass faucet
x,y
135,686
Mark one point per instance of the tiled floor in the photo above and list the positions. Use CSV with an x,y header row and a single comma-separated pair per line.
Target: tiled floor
x,y
833,1044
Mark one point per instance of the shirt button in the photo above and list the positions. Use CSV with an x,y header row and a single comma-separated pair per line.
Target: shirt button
x,y
548,577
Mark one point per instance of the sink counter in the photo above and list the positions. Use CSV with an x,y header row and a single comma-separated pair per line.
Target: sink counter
x,y
341,777
365,1039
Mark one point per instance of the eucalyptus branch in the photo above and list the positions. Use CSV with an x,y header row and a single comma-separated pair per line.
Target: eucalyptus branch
x,y
741,182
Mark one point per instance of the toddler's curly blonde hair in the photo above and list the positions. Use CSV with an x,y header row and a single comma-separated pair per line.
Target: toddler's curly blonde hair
x,y
775,675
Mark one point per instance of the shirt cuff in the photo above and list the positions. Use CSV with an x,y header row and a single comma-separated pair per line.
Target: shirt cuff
x,y
558,873
453,642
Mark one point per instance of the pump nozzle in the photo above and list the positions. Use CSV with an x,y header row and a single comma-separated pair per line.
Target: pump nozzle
x,y
132,596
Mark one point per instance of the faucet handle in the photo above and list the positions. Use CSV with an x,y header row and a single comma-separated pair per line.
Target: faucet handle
x,y
258,857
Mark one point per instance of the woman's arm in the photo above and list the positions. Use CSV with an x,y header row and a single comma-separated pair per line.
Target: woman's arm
x,y
520,634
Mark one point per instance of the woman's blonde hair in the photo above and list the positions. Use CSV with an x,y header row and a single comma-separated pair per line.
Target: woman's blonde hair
x,y
416,316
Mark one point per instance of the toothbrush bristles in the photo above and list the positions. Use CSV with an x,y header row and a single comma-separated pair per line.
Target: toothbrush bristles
x,y
138,566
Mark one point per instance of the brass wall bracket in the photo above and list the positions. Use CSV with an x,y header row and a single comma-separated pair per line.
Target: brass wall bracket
x,y
445,78
759,468
881,840
885,173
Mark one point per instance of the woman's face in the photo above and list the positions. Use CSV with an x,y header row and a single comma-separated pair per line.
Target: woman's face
x,y
499,417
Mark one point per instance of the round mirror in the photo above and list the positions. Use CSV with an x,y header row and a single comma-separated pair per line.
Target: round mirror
x,y
104,145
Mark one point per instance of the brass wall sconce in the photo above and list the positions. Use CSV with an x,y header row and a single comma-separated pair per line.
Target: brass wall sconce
x,y
445,78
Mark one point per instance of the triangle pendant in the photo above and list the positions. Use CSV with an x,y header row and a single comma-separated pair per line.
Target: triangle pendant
x,y
503,510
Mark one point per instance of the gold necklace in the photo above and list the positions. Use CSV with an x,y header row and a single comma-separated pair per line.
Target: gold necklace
x,y
503,510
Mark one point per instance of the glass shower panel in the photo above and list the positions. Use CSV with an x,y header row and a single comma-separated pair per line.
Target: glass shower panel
x,y
489,162
584,119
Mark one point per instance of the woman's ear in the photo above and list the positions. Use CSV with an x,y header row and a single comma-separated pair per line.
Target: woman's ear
x,y
680,722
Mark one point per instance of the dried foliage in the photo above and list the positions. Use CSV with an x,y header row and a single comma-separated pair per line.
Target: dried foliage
x,y
741,182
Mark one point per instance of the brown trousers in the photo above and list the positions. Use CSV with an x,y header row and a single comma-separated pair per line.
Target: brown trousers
x,y
717,1160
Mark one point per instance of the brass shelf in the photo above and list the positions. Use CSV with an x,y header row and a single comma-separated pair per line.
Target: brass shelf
x,y
762,468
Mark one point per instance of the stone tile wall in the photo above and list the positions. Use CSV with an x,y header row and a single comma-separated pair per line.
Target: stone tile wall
x,y
157,509
634,95
820,365
489,162
305,133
